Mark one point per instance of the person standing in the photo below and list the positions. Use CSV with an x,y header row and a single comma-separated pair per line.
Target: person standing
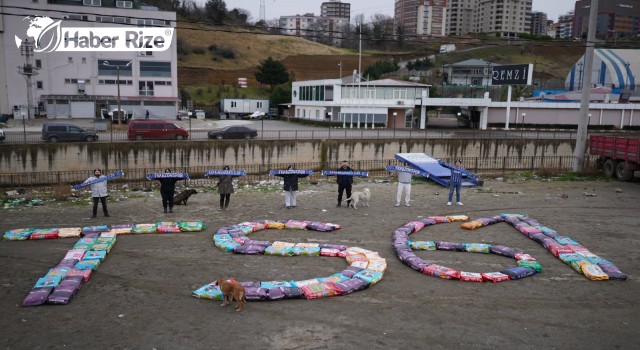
x,y
99,193
225,189
456,182
344,183
404,185
168,190
146,115
290,187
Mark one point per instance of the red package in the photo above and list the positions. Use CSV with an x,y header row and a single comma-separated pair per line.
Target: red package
x,y
470,277
524,256
557,249
329,252
578,248
84,273
494,277
443,272
48,235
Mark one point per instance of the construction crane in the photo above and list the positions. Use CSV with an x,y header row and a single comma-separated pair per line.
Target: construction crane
x,y
262,11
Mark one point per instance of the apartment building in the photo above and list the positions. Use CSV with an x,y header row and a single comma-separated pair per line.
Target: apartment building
x,y
424,18
565,26
460,16
337,9
504,18
616,18
73,84
538,23
309,25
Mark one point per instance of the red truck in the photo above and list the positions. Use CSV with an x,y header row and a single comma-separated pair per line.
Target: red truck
x,y
619,155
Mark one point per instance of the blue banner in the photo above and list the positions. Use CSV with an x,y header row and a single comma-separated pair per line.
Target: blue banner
x,y
167,176
407,170
101,179
464,171
347,173
290,172
225,173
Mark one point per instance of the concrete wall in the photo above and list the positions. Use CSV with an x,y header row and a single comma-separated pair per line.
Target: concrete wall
x,y
82,156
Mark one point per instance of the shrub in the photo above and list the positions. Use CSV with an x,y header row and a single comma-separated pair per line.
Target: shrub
x,y
198,50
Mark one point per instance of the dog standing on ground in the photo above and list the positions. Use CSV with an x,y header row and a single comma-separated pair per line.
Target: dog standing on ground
x,y
357,197
232,291
183,197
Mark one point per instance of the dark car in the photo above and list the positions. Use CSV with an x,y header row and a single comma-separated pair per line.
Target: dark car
x,y
54,132
271,115
233,132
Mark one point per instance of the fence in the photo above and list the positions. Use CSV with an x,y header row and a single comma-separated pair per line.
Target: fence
x,y
136,178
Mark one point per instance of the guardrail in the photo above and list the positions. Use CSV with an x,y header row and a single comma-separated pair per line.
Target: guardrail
x,y
135,178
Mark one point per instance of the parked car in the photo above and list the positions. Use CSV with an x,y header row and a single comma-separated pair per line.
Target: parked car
x,y
2,135
155,130
271,115
233,132
54,132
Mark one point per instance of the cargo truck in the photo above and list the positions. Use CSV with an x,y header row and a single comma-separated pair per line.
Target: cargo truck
x,y
619,155
447,48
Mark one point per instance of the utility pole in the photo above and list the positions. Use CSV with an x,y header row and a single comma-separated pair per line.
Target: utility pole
x,y
28,71
581,136
262,11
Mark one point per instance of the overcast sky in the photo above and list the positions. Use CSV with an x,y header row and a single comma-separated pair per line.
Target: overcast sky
x,y
277,8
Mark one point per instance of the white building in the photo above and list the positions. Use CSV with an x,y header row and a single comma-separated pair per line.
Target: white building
x,y
616,68
72,84
351,104
317,27
506,18
239,106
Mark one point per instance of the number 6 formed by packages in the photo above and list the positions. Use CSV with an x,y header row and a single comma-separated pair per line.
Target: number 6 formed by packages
x,y
569,251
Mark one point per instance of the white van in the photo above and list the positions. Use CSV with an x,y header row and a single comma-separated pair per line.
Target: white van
x,y
199,114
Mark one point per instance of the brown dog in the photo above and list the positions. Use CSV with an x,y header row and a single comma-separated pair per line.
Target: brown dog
x,y
183,197
231,291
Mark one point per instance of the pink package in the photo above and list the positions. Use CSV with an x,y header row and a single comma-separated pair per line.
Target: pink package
x,y
470,277
441,271
495,277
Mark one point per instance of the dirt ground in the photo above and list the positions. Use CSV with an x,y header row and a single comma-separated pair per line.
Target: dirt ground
x,y
140,297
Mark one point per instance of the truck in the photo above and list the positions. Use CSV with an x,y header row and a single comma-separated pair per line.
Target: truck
x,y
447,48
619,156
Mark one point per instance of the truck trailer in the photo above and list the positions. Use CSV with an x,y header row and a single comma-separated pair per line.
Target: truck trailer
x,y
619,155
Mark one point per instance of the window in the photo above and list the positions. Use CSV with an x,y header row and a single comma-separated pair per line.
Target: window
x,y
162,82
234,104
139,126
38,63
146,88
70,59
157,126
77,17
84,60
155,69
109,19
259,104
74,129
39,85
110,67
92,2
152,22
124,4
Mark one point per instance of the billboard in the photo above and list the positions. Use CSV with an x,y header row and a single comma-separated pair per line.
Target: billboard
x,y
512,74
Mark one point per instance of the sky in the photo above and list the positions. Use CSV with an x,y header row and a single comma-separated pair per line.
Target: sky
x,y
277,8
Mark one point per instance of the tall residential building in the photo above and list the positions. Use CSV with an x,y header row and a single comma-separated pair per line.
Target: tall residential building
x,y
565,26
422,18
317,27
538,23
460,16
79,84
506,18
335,9
616,18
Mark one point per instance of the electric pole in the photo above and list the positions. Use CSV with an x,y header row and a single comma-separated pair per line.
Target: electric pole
x,y
28,71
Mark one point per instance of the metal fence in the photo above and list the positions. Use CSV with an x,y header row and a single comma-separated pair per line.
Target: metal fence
x,y
16,137
136,178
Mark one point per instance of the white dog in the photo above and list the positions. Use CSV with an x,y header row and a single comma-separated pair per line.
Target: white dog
x,y
356,197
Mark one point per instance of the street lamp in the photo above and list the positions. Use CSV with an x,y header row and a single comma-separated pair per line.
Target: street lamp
x,y
262,127
523,116
340,65
106,63
395,114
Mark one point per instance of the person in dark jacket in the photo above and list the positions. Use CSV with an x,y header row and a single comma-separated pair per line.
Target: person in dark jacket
x,y
290,187
168,190
344,183
225,189
456,182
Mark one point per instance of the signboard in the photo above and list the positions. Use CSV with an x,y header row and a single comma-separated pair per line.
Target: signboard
x,y
512,74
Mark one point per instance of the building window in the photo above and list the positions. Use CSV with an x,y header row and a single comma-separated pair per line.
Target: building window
x,y
155,69
84,60
146,88
317,114
39,85
77,17
259,104
234,104
38,63
110,67
163,82
92,2
70,59
124,4
109,19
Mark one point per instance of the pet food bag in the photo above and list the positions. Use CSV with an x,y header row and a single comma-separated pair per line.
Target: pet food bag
x,y
168,227
472,225
69,232
503,251
523,256
37,296
284,251
57,272
121,231
516,273
457,218
262,243
416,263
144,228
329,252
377,266
415,226
191,226
350,271
530,263
565,240
276,284
336,277
450,246
422,245
88,264
322,226
439,219
613,272
369,276
274,225
20,234
279,244
95,255
75,254
50,233
494,277
249,249
351,258
84,273
99,228
477,248
84,244
470,276
306,251
351,285
289,292
598,260
333,246
441,271
48,281
68,263
557,249
300,284
569,258
593,271
209,291
296,225
255,294
67,288
320,290
106,247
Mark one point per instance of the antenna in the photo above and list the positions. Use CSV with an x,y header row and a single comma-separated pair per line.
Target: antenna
x,y
262,14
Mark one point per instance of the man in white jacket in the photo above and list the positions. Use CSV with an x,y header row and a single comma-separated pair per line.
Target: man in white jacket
x,y
404,184
99,192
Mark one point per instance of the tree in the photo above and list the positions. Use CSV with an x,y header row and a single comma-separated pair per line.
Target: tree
x,y
216,11
272,72
280,94
376,70
238,16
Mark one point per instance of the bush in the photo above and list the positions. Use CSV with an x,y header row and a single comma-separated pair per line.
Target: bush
x,y
227,53
199,92
198,50
213,48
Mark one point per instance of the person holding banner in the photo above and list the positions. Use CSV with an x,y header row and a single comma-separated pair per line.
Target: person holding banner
x,y
456,181
168,190
99,192
344,183
225,188
290,187
404,185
